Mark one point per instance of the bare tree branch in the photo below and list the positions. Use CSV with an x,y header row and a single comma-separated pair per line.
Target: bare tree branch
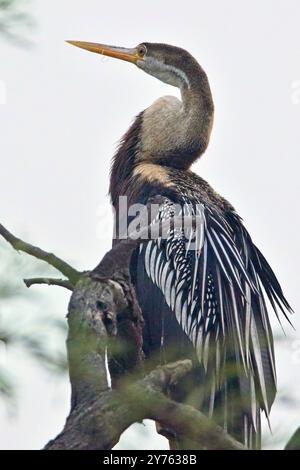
x,y
99,425
100,415
49,282
72,274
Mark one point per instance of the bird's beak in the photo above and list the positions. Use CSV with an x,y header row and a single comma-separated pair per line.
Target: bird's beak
x,y
130,55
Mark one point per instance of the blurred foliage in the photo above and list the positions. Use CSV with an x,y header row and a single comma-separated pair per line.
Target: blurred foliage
x,y
6,385
28,324
294,442
15,21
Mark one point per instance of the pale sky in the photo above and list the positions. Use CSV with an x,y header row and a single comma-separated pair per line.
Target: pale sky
x,y
64,112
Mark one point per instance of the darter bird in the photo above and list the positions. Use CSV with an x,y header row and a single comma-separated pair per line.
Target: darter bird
x,y
201,297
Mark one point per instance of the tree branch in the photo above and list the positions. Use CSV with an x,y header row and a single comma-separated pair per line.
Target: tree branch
x,y
49,282
72,274
100,415
100,425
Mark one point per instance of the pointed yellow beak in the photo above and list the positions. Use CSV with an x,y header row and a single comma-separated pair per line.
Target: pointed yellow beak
x,y
130,55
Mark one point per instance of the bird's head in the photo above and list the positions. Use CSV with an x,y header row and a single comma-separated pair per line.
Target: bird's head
x,y
169,64
171,132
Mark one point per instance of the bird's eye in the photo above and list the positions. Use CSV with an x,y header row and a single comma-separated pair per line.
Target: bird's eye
x,y
141,50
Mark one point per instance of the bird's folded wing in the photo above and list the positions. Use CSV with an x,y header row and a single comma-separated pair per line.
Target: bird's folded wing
x,y
212,275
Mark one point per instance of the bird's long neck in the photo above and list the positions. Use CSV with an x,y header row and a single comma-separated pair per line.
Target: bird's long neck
x,y
175,133
171,133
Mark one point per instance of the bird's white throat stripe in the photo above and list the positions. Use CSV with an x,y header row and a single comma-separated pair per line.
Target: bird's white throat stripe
x,y
179,73
163,68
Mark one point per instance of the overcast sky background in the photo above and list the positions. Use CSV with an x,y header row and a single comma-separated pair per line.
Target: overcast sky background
x,y
66,109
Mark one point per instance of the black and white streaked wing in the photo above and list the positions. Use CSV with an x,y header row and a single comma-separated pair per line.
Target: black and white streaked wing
x,y
212,280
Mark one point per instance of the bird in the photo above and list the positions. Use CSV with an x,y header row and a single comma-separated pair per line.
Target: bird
x,y
204,293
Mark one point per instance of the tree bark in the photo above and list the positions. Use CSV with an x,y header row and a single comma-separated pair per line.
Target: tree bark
x,y
99,415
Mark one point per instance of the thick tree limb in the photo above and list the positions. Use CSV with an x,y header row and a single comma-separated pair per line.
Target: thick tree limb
x,y
100,415
49,282
72,274
100,425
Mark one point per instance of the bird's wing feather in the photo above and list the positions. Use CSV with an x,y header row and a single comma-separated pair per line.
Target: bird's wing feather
x,y
212,278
